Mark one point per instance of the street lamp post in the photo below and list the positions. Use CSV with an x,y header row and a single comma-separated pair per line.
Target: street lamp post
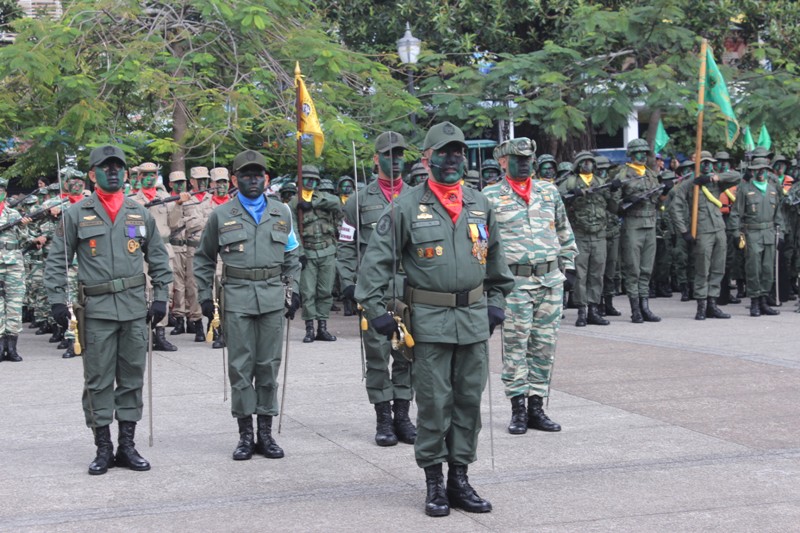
x,y
408,49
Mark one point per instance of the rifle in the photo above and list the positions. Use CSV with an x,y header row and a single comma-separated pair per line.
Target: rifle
x,y
593,190
161,201
640,197
17,201
33,215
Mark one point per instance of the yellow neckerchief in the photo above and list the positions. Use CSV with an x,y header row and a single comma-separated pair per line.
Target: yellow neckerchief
x,y
730,195
587,178
344,198
306,194
640,169
710,196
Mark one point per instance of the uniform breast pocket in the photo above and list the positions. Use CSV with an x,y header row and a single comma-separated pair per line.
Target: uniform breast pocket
x,y
232,241
280,238
93,240
427,239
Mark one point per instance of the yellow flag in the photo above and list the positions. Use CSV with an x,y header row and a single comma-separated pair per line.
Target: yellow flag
x,y
308,122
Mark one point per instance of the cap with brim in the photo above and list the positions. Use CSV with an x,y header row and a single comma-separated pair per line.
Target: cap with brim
x,y
759,163
178,175
54,187
667,175
219,173
521,146
419,169
247,158
442,134
147,167
41,191
706,156
722,156
686,163
199,172
389,140
102,153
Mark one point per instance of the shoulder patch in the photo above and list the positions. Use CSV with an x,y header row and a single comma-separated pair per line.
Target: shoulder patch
x,y
384,225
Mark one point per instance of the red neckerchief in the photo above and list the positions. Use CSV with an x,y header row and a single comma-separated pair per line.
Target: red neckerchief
x,y
2,207
219,200
450,196
200,196
111,201
73,198
149,193
522,188
389,187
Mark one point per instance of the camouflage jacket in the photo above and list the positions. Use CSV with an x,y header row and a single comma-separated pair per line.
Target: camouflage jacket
x,y
318,238
643,213
13,239
588,213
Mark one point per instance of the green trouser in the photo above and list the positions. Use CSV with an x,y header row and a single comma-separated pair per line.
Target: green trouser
x,y
381,385
709,264
759,262
638,255
12,279
661,274
612,262
734,257
254,358
684,269
530,332
448,382
316,286
113,352
590,265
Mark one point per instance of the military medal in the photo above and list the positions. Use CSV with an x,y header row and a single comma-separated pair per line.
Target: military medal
x,y
133,245
93,247
439,250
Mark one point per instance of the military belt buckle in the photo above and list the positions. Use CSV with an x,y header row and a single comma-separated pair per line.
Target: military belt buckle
x,y
462,299
117,285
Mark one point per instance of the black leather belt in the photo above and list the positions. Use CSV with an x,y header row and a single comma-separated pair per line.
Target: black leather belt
x,y
540,269
444,299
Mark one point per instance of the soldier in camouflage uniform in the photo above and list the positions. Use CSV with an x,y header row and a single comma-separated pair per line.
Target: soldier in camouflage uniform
x,y
448,241
640,188
612,248
709,244
757,217
588,200
539,247
288,191
12,277
315,215
546,168
388,376
564,171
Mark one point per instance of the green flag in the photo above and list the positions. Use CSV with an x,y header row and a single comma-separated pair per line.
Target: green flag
x,y
661,136
749,145
716,92
764,138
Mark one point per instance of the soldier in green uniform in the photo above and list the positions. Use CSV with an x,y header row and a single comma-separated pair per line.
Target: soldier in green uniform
x,y
564,171
112,236
757,217
710,242
540,248
490,172
448,241
588,201
546,168
612,247
473,180
734,256
288,191
388,385
315,215
418,175
345,187
640,190
12,277
660,283
253,236
683,268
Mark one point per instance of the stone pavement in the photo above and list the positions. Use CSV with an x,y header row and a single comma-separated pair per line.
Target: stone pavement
x,y
675,426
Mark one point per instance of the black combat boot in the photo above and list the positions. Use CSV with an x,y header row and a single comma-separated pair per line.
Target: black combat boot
x,y
44,328
58,334
189,325
610,310
663,290
348,307
219,341
70,353
763,306
105,451
519,416
199,332
171,322
460,493
436,503
403,428
309,331
384,429
594,318
769,299
11,349
179,328
244,450
740,288
160,342
581,322
64,342
636,311
266,445
537,419
755,308
3,346
127,456
35,324
647,314
322,331
684,292
714,311
701,310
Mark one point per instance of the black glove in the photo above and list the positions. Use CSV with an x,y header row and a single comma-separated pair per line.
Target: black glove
x,y
61,315
570,283
496,317
303,262
349,293
780,244
576,192
208,309
295,305
616,184
304,206
702,179
385,325
687,236
158,310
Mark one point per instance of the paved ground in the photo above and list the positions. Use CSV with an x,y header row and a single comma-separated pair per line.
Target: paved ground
x,y
676,426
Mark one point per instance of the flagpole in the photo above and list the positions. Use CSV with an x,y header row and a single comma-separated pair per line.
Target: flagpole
x,y
701,98
299,112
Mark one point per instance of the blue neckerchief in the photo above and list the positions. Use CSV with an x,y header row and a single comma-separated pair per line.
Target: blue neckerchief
x,y
255,207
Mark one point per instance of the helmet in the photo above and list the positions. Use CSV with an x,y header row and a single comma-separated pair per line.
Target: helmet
x,y
706,156
289,186
326,185
473,178
583,156
545,158
564,167
490,163
602,162
722,156
637,145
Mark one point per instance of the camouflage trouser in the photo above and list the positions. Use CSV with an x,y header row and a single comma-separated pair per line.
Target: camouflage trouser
x,y
12,278
529,337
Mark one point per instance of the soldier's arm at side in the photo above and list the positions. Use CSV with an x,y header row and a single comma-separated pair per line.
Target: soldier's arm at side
x,y
157,257
347,250
377,264
569,248
679,208
291,259
205,258
780,220
59,256
499,280
735,217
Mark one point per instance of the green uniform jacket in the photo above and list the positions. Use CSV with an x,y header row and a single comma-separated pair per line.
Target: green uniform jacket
x,y
319,224
437,256
709,216
233,234
642,214
588,214
108,252
756,214
371,204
